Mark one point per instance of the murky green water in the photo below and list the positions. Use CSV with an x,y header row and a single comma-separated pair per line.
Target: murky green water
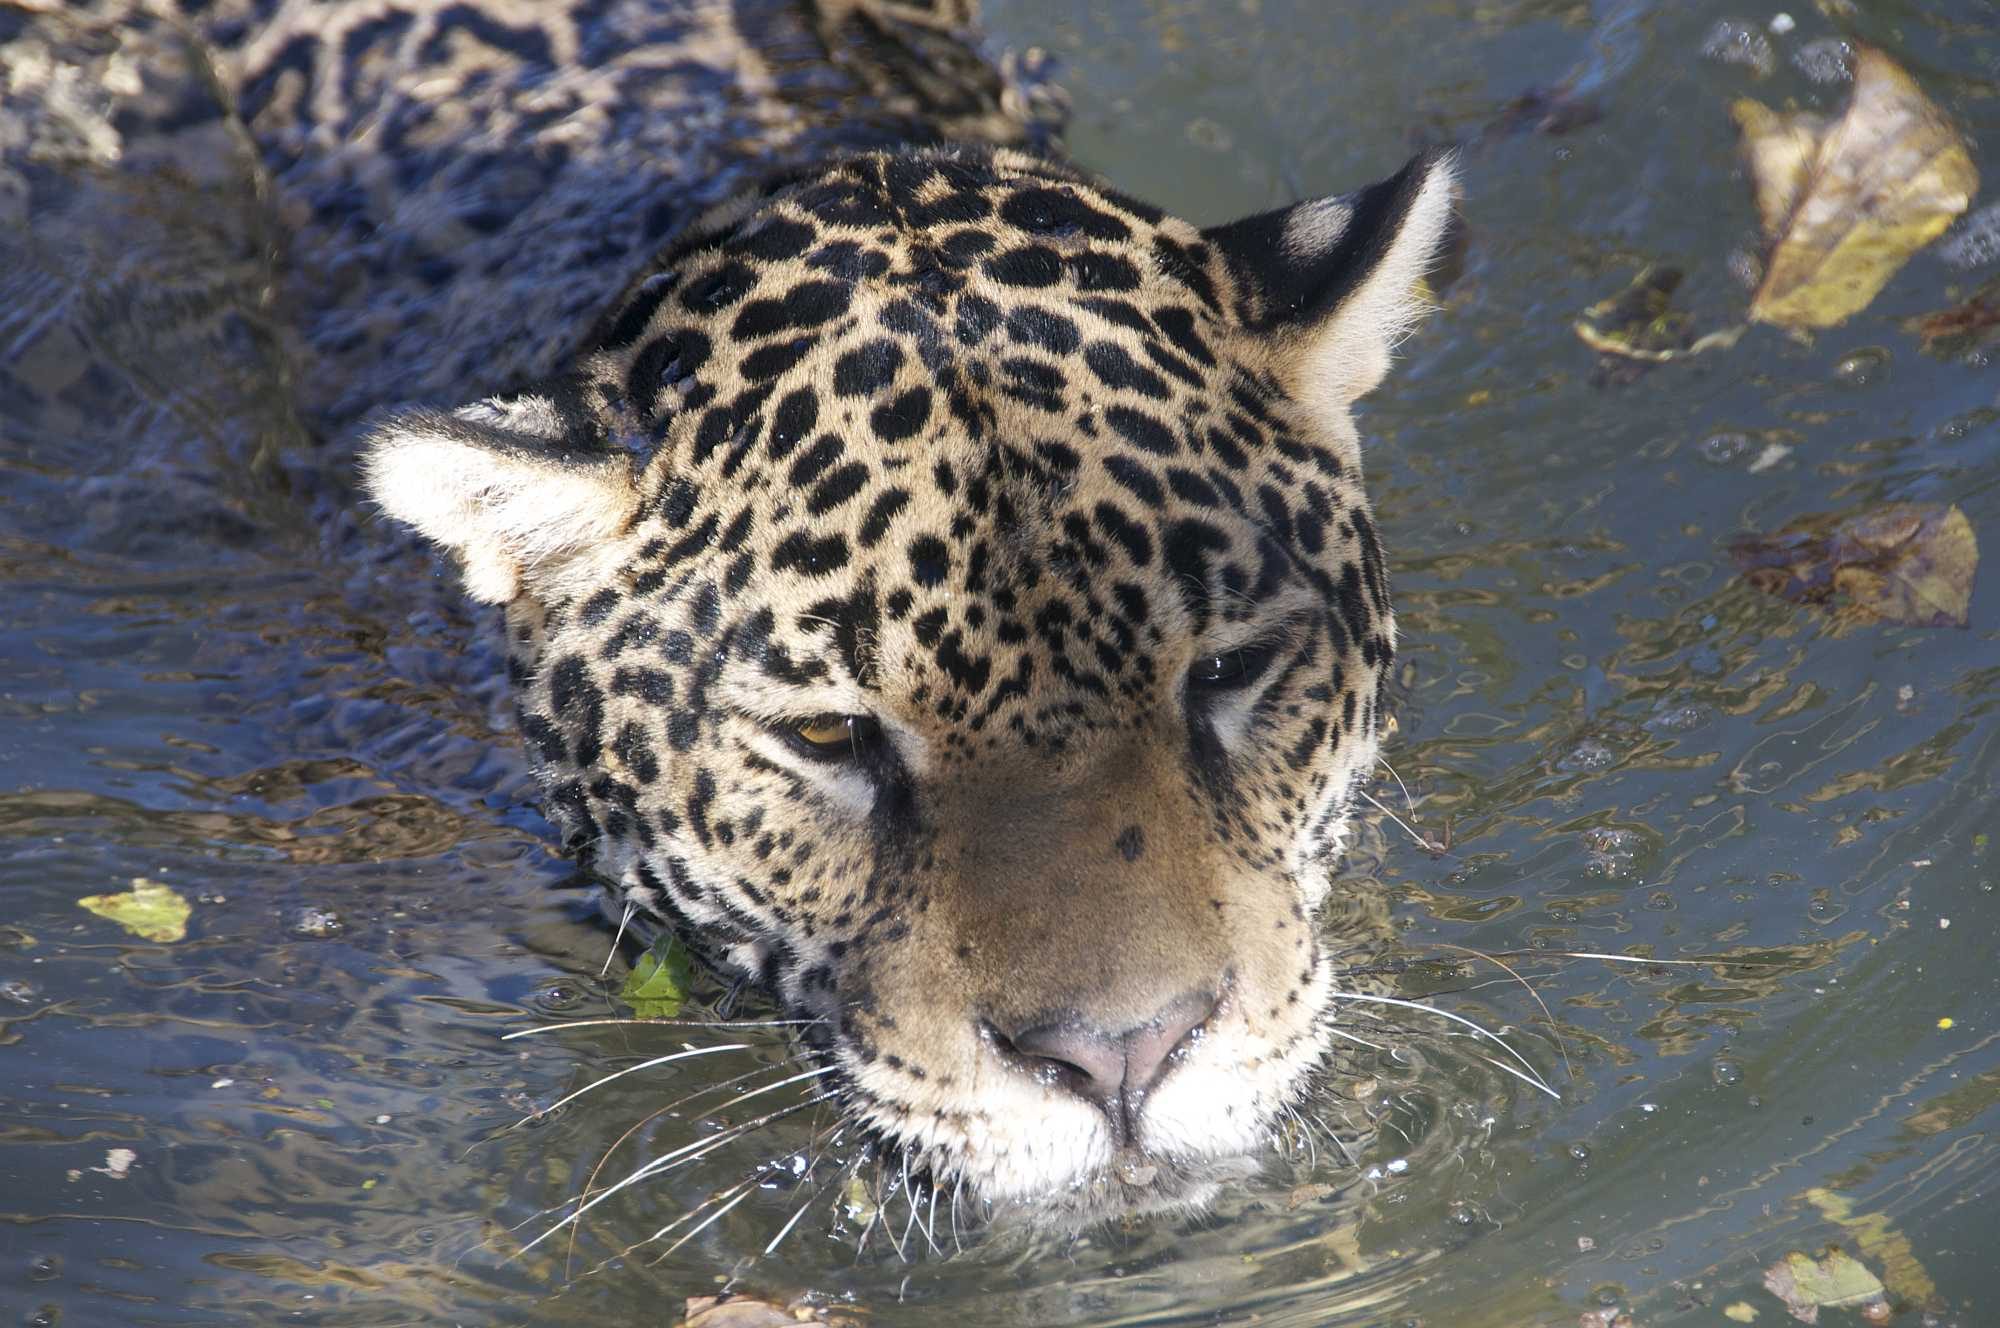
x,y
203,683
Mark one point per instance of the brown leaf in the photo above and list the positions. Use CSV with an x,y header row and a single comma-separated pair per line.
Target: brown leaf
x,y
1961,327
1845,205
1910,563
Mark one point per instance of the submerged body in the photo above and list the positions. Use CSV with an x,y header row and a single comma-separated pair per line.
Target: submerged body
x,y
940,586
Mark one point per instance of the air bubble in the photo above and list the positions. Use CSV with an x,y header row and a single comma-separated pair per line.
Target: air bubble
x,y
1725,1072
1745,268
558,996
1976,242
1827,60
1735,43
315,923
1206,133
1612,852
1589,754
1679,719
1862,368
1724,449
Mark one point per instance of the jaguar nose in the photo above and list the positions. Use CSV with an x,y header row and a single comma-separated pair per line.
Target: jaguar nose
x,y
1113,1071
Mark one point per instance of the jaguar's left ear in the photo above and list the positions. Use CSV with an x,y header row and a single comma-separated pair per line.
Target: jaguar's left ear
x,y
516,488
1336,283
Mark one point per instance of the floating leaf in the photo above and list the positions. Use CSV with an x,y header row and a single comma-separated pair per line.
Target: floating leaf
x,y
657,986
1902,1272
149,910
735,1312
751,1312
1640,322
1833,1281
1844,205
1961,327
1910,563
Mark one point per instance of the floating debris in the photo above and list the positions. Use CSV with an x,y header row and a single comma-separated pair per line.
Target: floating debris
x,y
149,910
1909,563
657,986
1844,205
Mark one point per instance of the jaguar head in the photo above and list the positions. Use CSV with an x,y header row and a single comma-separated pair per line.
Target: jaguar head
x,y
944,589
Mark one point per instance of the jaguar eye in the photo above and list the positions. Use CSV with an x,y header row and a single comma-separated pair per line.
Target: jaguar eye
x,y
835,736
1229,670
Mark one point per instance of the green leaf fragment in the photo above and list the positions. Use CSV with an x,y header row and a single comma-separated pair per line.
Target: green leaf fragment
x,y
657,986
149,910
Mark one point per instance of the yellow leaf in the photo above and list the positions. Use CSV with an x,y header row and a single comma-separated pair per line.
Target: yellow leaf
x,y
1902,1272
1780,146
149,910
1741,1311
1845,205
1807,1285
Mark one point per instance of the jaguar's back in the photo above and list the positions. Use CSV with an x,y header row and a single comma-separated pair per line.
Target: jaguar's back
x,y
457,190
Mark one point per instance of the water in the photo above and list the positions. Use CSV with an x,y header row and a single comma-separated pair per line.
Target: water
x,y
209,680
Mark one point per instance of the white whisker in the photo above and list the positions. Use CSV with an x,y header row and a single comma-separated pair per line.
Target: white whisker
x,y
882,1203
861,1241
1373,802
1408,801
743,1191
1531,1078
793,1221
690,1152
562,1102
930,1224
1351,1037
907,1227
656,1023
623,923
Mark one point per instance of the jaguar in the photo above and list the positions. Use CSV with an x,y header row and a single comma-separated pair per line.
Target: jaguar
x,y
937,585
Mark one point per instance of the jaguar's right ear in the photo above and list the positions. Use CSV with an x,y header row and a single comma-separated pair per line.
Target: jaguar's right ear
x,y
506,486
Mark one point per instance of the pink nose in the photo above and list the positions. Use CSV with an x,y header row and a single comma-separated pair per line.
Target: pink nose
x,y
1113,1071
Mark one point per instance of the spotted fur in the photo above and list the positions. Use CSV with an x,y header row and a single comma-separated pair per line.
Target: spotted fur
x,y
1053,499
